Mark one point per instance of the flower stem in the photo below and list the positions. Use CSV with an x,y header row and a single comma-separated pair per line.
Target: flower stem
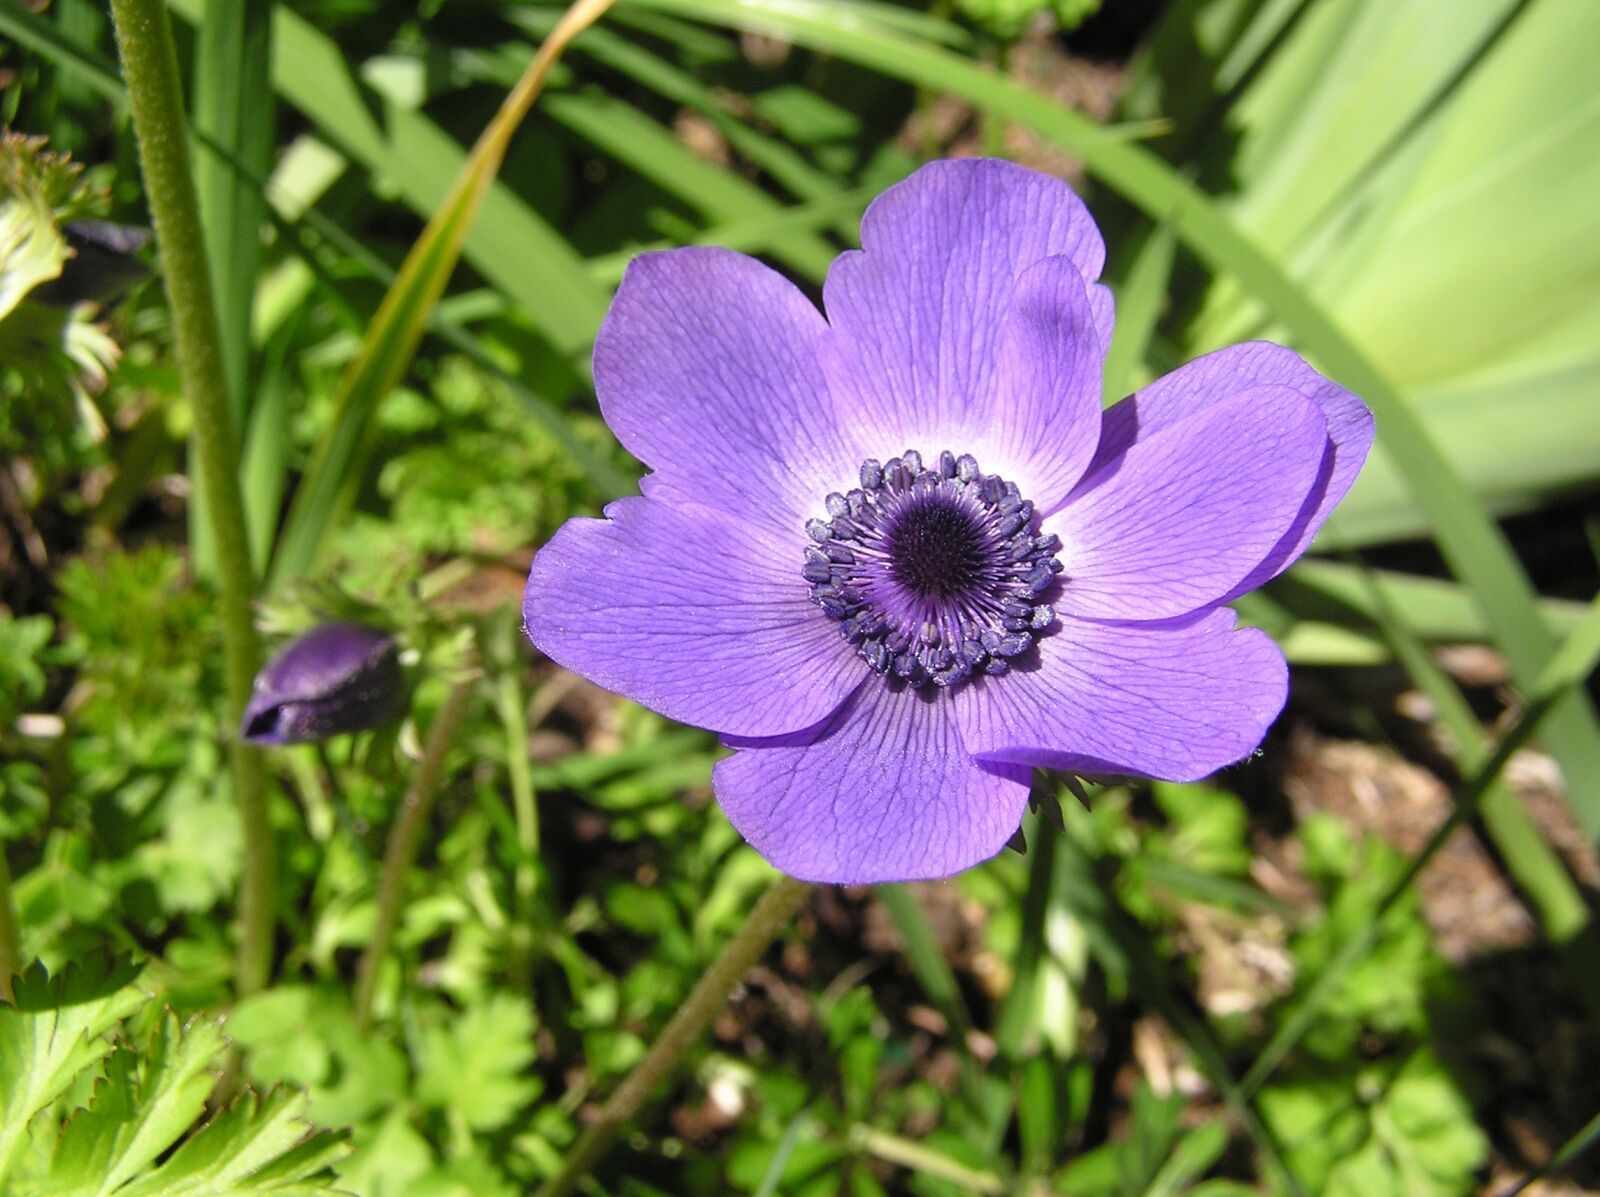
x,y
401,851
10,937
150,69
777,906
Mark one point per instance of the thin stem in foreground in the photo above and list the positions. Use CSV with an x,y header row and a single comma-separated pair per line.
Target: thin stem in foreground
x,y
150,69
777,906
404,836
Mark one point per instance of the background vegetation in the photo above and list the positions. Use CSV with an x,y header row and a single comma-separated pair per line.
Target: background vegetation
x,y
1363,963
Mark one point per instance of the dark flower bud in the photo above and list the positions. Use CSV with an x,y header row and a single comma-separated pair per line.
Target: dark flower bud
x,y
103,267
337,678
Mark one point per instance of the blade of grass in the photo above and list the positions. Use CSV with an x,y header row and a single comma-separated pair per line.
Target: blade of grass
x,y
386,352
1570,1152
632,138
1140,300
1435,609
232,110
922,1160
1568,667
266,444
786,166
1533,864
1473,546
609,481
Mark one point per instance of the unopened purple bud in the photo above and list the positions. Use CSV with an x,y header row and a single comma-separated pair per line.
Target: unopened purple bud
x,y
337,678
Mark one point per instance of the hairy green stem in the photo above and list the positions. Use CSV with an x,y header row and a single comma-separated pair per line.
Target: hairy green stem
x,y
150,70
404,836
777,906
10,937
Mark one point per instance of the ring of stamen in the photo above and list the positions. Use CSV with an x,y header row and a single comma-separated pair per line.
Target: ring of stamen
x,y
933,573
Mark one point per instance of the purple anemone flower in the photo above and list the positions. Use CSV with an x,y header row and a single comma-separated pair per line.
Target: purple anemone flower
x,y
897,556
334,679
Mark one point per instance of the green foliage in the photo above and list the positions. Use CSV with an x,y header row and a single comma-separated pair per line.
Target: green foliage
x,y
23,658
473,1068
1397,1127
92,1109
133,625
1007,19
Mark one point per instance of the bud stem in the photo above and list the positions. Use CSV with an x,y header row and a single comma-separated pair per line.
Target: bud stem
x,y
401,851
777,906
150,70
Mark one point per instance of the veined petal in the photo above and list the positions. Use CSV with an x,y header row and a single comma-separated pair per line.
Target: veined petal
x,y
1045,424
884,791
692,614
1177,520
1175,699
1217,376
918,314
707,371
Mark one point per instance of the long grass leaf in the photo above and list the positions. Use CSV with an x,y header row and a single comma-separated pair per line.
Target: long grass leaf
x,y
1567,667
609,481
1139,303
232,112
1532,863
635,140
387,350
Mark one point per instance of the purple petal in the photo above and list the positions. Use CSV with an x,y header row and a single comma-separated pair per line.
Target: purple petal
x,y
1216,376
1049,373
1175,522
707,371
885,791
691,613
1176,700
919,312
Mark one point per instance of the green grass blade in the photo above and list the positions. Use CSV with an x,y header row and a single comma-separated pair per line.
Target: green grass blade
x,y
607,479
1473,546
233,111
626,134
233,114
386,352
1576,658
1533,864
1140,300
1435,609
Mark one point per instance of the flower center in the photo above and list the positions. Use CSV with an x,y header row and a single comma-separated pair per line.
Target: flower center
x,y
933,573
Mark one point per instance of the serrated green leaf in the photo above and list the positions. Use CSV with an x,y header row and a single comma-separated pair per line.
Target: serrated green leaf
x,y
240,1152
56,1030
476,1065
147,1101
